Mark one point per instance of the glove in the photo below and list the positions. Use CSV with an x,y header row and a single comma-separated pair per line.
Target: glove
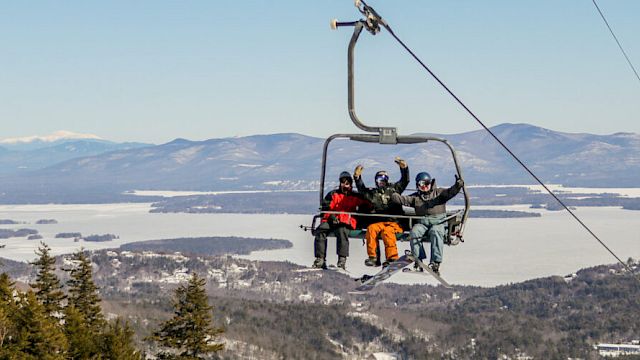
x,y
357,172
459,182
333,220
401,163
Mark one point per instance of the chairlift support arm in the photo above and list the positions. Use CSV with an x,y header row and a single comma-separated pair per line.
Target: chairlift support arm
x,y
388,135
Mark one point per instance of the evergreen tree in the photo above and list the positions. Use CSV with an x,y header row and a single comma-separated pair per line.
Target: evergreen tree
x,y
83,341
83,293
7,308
118,342
37,335
49,290
190,332
6,288
84,322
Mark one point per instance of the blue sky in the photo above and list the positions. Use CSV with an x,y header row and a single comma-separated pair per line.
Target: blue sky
x,y
156,70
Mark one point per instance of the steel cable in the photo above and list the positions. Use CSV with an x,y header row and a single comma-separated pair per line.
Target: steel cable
x,y
617,41
461,103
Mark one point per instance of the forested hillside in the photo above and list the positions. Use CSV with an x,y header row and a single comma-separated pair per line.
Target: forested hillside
x,y
271,310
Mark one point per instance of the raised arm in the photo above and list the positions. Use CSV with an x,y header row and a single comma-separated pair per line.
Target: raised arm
x,y
404,178
450,193
357,178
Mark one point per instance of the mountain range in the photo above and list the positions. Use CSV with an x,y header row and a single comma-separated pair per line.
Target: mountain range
x,y
293,162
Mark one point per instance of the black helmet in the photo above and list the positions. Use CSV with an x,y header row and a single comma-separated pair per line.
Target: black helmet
x,y
343,175
381,176
423,176
424,181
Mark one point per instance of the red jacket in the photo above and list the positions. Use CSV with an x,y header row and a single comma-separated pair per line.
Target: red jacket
x,y
338,201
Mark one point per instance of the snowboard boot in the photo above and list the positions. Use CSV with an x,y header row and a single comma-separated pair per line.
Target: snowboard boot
x,y
372,261
319,263
435,266
342,263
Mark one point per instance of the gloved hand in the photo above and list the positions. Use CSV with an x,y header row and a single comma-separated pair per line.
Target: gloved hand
x,y
357,172
401,163
459,182
333,220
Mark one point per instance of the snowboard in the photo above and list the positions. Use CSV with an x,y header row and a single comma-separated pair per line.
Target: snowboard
x,y
369,282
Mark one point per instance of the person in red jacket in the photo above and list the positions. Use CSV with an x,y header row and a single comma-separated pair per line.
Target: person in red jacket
x,y
341,199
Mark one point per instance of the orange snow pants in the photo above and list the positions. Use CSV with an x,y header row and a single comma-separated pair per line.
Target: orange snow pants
x,y
388,229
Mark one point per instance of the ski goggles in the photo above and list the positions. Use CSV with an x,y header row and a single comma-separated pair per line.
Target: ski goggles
x,y
424,183
382,178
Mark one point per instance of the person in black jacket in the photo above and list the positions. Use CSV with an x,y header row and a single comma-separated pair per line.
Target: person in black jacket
x,y
380,198
429,202
340,199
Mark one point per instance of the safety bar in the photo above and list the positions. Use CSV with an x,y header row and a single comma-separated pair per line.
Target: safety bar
x,y
411,139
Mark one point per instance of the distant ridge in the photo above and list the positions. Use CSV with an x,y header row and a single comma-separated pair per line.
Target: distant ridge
x,y
292,161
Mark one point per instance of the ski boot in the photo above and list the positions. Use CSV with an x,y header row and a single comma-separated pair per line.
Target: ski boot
x,y
319,263
342,263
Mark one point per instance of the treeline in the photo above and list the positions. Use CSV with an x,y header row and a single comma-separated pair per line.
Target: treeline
x,y
55,321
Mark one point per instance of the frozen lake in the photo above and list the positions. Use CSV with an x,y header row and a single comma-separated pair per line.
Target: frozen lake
x,y
496,251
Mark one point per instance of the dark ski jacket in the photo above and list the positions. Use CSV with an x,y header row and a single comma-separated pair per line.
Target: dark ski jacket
x,y
380,198
431,202
338,201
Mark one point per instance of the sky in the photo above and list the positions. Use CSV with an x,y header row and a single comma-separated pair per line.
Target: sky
x,y
153,71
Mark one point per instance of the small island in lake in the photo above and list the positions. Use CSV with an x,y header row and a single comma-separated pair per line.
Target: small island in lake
x,y
68,235
10,233
100,238
211,246
46,221
8,222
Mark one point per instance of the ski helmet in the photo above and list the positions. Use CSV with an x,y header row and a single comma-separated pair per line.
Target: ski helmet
x,y
423,179
423,176
381,176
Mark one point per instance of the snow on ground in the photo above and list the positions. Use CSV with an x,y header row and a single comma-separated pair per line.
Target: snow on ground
x,y
185,155
329,298
385,356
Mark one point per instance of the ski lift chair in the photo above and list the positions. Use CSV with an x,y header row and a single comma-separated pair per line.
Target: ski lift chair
x,y
454,220
384,135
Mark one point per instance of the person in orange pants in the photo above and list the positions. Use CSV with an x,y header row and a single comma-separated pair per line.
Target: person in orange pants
x,y
380,198
387,230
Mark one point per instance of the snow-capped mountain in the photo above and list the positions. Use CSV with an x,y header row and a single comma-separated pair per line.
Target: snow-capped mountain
x,y
39,141
27,154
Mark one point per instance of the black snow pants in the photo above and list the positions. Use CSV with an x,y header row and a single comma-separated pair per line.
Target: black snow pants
x,y
342,238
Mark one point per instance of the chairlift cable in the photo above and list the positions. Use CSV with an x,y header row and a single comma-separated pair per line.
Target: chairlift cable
x,y
459,101
616,39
